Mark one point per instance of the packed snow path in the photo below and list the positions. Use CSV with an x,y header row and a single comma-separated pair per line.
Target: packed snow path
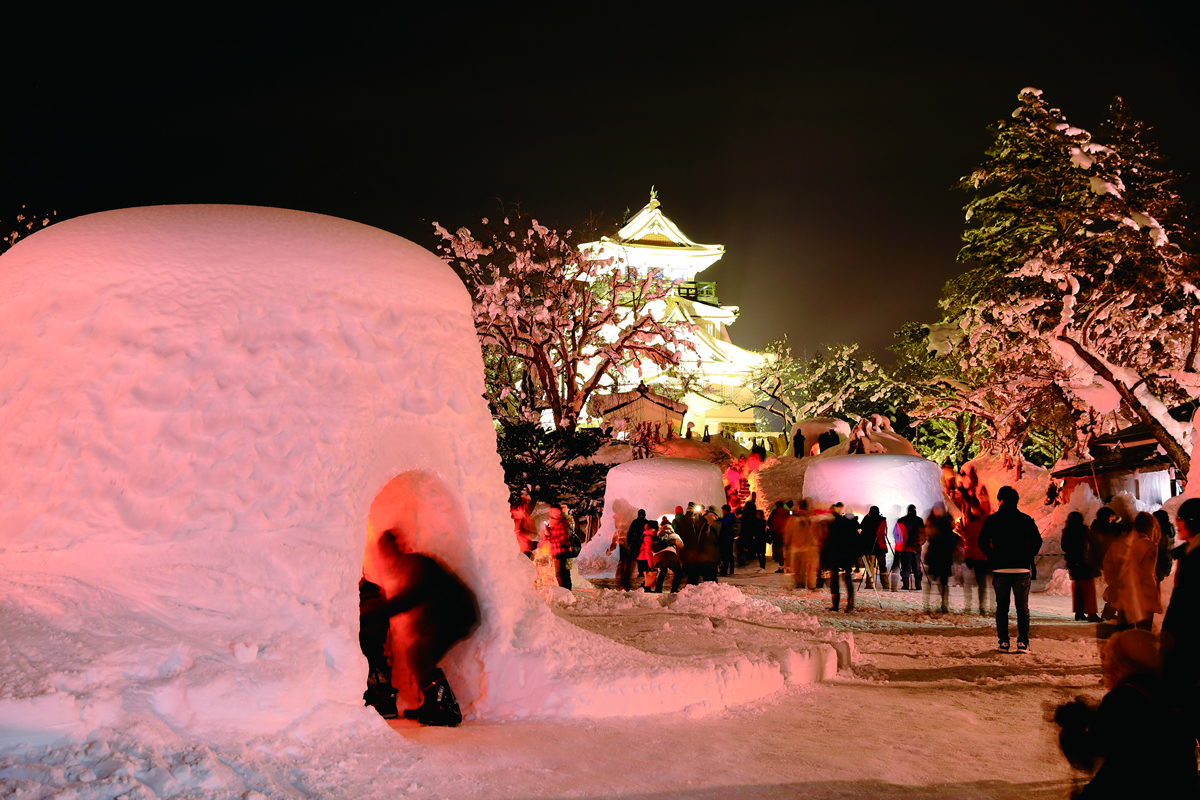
x,y
929,710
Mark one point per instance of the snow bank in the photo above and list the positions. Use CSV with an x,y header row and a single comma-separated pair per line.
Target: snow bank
x,y
636,683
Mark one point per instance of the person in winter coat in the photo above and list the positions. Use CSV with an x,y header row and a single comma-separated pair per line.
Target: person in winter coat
x,y
1166,542
1181,623
874,531
775,525
974,513
944,543
728,540
745,549
624,542
1011,540
803,555
425,609
1083,574
667,557
909,534
558,537
1129,573
645,551
709,546
1144,738
521,513
841,551
1105,530
761,536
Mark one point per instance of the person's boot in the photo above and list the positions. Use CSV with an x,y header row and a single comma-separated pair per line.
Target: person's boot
x,y
440,706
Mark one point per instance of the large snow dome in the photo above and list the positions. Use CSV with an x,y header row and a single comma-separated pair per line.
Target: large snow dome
x,y
892,482
204,408
658,485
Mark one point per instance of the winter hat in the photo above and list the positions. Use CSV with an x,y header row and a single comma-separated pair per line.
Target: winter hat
x,y
678,509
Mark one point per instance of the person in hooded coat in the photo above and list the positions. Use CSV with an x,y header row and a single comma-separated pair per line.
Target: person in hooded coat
x,y
1129,572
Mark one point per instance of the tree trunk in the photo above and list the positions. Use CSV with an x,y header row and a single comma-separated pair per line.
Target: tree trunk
x,y
1175,451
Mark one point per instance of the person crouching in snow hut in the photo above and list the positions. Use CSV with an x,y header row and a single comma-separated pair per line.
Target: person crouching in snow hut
x,y
420,611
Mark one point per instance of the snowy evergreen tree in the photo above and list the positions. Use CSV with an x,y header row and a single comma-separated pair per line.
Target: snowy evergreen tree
x,y
1081,298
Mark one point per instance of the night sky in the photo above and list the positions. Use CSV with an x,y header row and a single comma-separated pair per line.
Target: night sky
x,y
818,145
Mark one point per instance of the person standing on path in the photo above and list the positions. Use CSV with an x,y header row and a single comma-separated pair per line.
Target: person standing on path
x,y
558,537
728,540
841,552
1181,624
1075,537
944,543
627,547
1010,539
910,537
776,524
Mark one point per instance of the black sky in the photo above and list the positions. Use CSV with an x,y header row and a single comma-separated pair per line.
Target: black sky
x,y
817,144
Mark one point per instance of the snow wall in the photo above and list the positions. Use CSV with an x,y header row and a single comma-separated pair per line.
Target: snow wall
x,y
892,482
204,409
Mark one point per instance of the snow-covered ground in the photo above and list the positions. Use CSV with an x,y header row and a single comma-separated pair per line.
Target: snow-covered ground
x,y
927,708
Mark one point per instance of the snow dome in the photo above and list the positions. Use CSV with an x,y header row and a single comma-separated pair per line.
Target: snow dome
x,y
205,408
658,485
892,482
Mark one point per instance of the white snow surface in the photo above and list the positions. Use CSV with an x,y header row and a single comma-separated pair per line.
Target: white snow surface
x,y
922,687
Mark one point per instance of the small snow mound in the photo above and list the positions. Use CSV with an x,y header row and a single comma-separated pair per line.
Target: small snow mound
x,y
1059,584
726,600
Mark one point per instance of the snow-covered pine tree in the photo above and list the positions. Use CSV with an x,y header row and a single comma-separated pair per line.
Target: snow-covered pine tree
x,y
1080,281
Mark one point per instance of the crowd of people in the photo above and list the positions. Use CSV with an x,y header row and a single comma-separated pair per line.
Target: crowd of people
x,y
1152,709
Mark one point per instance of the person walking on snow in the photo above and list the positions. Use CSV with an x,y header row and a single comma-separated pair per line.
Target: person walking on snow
x,y
939,555
874,529
776,524
1010,539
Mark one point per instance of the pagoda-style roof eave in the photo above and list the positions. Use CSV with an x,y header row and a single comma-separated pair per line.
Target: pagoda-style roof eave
x,y
691,249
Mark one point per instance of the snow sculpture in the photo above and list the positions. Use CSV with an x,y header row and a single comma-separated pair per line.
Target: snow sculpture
x,y
657,485
205,408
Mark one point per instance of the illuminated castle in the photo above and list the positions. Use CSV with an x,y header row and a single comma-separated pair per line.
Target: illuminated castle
x,y
651,242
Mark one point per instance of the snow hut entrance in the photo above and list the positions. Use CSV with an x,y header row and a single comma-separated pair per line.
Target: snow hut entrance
x,y
412,514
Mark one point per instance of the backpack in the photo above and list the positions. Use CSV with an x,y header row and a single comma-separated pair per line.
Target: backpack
x,y
576,546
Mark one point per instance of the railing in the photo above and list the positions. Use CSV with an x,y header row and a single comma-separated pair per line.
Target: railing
x,y
703,291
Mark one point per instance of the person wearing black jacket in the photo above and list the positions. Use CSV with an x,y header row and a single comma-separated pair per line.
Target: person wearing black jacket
x,y
1181,623
1075,540
1010,539
841,551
